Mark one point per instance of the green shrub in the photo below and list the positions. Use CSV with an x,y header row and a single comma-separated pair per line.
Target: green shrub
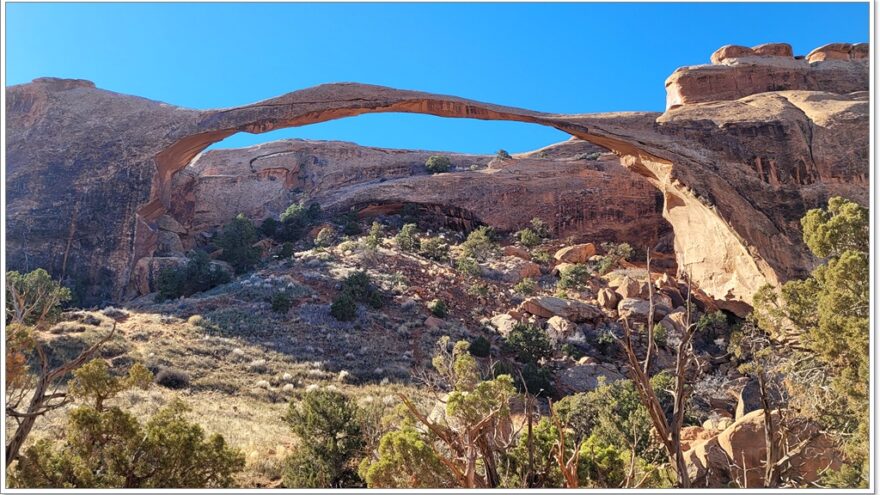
x,y
572,351
286,250
281,302
614,254
331,440
356,288
172,378
529,342
541,257
502,155
537,380
109,447
480,347
198,275
526,286
34,297
344,308
269,227
325,237
478,289
438,164
237,242
574,277
480,244
296,219
660,335
374,238
437,308
352,227
433,248
468,266
406,238
528,238
540,228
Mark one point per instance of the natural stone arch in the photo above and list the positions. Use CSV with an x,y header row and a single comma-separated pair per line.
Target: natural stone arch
x,y
718,257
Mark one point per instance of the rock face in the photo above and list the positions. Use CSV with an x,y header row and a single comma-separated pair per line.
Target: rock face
x,y
92,175
579,253
739,71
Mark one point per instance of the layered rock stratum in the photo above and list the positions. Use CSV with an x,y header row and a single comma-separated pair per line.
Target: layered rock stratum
x,y
96,179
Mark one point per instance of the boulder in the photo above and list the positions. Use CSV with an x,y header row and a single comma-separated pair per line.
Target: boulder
x,y
517,251
774,50
690,435
511,269
730,51
636,310
831,51
585,377
738,453
570,309
561,331
503,323
744,444
433,322
629,288
607,298
579,253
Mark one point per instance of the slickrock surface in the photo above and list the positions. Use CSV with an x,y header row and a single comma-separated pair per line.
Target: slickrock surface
x,y
91,173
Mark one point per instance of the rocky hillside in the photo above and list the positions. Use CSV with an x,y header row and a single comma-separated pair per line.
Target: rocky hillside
x,y
97,180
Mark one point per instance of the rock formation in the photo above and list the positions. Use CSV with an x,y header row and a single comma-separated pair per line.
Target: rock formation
x,y
91,173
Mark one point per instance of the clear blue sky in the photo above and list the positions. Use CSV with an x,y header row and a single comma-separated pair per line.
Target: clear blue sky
x,y
568,58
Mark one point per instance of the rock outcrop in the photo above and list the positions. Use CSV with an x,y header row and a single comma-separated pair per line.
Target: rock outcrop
x,y
91,173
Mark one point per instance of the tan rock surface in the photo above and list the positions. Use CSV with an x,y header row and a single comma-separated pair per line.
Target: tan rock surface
x,y
570,309
579,253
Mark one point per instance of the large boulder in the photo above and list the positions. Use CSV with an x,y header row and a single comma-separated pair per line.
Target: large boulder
x,y
503,323
517,251
607,298
585,377
738,453
579,253
629,288
511,269
636,310
563,331
570,309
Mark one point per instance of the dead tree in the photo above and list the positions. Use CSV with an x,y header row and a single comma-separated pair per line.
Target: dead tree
x,y
668,432
42,400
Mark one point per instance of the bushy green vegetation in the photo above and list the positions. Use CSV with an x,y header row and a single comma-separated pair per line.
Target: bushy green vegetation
x,y
437,308
198,275
574,277
480,244
434,248
529,343
33,297
437,164
374,238
295,221
108,447
237,242
828,313
480,347
614,254
328,426
356,288
528,238
326,237
526,286
502,155
406,238
281,302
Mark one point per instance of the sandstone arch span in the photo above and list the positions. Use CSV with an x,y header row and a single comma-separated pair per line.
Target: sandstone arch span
x,y
719,257
88,169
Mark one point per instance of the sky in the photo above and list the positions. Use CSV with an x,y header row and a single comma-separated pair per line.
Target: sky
x,y
565,58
